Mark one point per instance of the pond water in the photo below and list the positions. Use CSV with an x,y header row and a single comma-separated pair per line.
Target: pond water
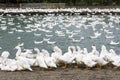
x,y
46,31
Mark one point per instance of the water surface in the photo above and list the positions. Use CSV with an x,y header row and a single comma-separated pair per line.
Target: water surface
x,y
46,31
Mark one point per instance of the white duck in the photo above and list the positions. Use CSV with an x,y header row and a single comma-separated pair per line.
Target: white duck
x,y
40,59
48,60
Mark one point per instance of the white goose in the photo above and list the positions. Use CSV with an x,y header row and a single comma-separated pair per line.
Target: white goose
x,y
48,60
104,53
22,60
40,59
97,58
4,56
79,56
7,64
56,55
25,55
115,59
68,57
23,63
88,60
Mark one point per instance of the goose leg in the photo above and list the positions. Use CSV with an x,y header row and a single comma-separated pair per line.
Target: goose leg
x,y
76,66
115,67
99,67
87,68
65,66
58,65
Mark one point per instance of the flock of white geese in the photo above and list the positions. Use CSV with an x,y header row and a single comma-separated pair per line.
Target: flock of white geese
x,y
43,59
68,10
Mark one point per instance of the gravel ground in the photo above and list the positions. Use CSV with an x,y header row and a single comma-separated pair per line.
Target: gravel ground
x,y
62,74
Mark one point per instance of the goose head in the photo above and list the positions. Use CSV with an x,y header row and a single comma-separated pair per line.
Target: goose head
x,y
104,50
94,47
56,49
103,47
85,50
70,49
112,51
45,52
94,51
78,48
74,50
36,49
19,50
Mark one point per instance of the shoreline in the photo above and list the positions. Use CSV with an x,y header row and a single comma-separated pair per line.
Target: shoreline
x,y
62,74
62,11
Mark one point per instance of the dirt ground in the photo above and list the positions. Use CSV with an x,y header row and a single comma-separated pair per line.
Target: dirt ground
x,y
62,74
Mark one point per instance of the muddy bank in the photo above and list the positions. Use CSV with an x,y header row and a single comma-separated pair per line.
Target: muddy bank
x,y
61,74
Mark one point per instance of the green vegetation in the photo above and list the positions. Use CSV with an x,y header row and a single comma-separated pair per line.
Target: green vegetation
x,y
69,2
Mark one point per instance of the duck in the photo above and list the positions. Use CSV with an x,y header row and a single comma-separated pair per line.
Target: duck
x,y
48,59
40,59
